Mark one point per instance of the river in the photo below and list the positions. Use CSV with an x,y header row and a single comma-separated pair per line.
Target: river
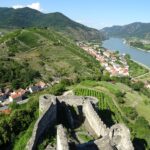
x,y
117,44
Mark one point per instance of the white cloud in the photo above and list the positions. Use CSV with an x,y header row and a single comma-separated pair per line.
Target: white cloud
x,y
18,6
36,6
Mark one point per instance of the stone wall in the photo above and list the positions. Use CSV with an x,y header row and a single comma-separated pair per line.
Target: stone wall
x,y
117,137
62,142
76,100
92,118
47,119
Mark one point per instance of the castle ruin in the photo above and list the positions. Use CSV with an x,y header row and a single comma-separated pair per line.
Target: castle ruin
x,y
78,126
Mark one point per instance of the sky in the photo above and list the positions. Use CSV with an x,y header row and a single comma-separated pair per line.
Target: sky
x,y
93,13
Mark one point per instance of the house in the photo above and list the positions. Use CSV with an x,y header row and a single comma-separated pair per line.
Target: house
x,y
41,84
5,111
106,53
3,97
147,86
17,95
34,89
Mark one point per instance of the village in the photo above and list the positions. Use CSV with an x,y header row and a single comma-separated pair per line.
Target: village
x,y
115,64
20,96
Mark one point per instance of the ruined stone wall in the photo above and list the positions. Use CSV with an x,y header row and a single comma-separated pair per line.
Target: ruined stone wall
x,y
62,142
48,111
95,123
119,136
76,100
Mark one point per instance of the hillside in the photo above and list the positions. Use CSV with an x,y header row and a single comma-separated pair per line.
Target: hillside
x,y
47,52
137,29
26,17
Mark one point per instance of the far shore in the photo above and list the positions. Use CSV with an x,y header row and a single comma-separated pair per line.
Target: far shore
x,y
125,42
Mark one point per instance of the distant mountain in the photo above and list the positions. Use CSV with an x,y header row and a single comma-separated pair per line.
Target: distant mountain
x,y
27,17
137,29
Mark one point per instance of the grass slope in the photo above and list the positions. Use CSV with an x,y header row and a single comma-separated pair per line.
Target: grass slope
x,y
50,53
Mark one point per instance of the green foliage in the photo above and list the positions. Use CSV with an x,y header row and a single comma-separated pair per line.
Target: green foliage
x,y
85,138
136,69
18,121
137,86
120,100
29,38
142,131
130,112
22,139
57,89
19,75
140,45
120,94
13,106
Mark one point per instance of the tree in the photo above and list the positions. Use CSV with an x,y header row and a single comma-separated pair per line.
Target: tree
x,y
137,86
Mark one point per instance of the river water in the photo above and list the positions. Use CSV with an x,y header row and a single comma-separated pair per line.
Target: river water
x,y
117,44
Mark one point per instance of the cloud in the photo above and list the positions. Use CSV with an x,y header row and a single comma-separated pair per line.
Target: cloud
x,y
36,6
18,6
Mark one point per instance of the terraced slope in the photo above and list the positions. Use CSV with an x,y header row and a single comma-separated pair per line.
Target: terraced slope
x,y
48,52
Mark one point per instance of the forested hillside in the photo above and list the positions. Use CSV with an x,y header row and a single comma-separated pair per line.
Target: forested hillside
x,y
27,17
137,29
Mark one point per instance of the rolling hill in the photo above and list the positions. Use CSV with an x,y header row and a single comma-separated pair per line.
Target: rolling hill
x,y
27,17
48,52
137,29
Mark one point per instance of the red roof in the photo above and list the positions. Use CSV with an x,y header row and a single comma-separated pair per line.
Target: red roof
x,y
17,93
41,84
6,111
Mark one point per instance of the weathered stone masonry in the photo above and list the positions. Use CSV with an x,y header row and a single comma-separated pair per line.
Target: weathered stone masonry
x,y
93,120
62,141
115,138
47,119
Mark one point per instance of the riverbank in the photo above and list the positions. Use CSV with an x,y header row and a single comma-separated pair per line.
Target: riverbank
x,y
141,64
127,43
118,44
